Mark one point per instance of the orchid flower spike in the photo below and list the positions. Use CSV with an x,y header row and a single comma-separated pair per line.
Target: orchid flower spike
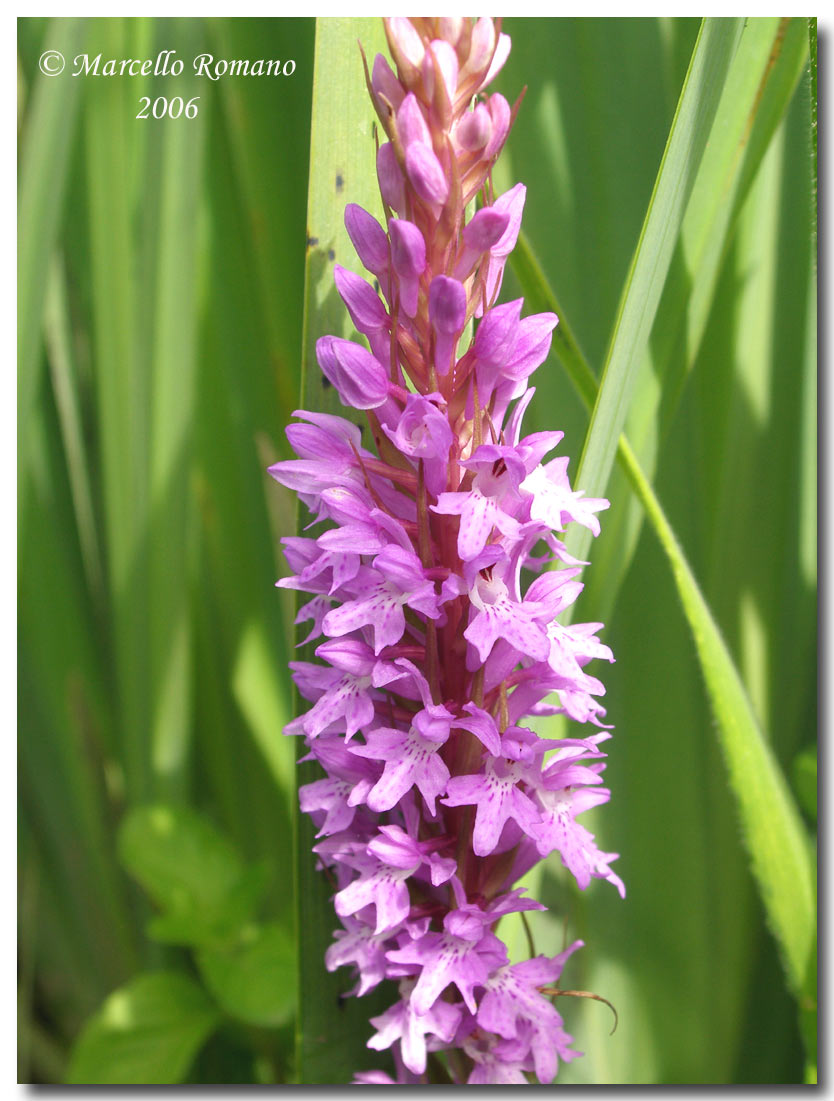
x,y
433,650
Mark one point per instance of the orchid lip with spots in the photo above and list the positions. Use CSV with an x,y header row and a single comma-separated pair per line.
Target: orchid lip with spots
x,y
437,651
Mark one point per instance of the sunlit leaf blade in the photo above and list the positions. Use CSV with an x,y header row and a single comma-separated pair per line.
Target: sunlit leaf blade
x,y
761,80
331,1032
653,255
146,1033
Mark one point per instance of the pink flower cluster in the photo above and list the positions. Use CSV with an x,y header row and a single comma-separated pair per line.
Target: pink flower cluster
x,y
436,798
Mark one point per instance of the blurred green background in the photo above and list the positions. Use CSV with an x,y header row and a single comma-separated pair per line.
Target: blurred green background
x,y
161,293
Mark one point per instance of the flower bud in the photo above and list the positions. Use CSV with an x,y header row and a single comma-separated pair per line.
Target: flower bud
x,y
389,174
368,238
511,202
384,82
500,118
426,174
502,52
485,230
411,126
406,44
440,57
359,378
450,28
482,45
447,313
408,256
475,129
366,311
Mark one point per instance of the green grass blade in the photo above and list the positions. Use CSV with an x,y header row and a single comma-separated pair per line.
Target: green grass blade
x,y
178,262
250,109
760,84
770,820
64,381
122,390
331,1034
48,130
688,138
776,840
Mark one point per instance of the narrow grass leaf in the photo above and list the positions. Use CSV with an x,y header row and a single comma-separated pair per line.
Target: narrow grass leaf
x,y
761,82
172,415
688,138
123,398
65,387
775,837
46,142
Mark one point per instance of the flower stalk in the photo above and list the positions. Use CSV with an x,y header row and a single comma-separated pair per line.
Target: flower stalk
x,y
438,648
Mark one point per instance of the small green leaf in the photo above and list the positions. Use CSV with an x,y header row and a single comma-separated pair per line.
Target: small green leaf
x,y
146,1033
255,980
191,872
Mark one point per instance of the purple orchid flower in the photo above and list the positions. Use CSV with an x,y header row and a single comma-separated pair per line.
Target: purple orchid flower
x,y
438,652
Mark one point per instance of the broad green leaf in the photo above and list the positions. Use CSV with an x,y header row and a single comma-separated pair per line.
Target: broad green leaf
x,y
331,1033
191,871
653,255
146,1033
255,980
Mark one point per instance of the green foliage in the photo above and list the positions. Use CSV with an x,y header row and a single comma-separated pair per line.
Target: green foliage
x,y
252,979
161,278
804,775
146,1033
192,873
